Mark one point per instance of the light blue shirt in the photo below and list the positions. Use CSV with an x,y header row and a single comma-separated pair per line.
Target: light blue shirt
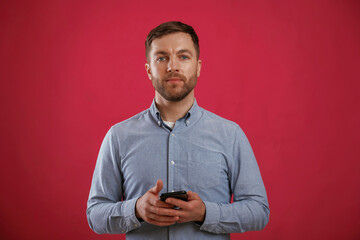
x,y
204,153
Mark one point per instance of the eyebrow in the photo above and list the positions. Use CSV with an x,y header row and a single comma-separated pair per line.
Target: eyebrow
x,y
179,52
185,51
160,52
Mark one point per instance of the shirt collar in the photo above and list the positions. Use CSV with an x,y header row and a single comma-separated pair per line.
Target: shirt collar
x,y
190,117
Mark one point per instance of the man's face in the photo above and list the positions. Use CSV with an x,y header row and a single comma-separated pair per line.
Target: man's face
x,y
173,66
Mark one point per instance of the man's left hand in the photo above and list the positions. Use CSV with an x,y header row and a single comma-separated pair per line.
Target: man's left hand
x,y
191,211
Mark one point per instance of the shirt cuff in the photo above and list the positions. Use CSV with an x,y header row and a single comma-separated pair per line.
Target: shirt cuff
x,y
212,217
128,208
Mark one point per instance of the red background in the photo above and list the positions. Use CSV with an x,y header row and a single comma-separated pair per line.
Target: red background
x,y
286,71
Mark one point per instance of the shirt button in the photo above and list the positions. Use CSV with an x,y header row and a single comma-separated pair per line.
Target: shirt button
x,y
172,162
159,123
135,225
187,122
172,134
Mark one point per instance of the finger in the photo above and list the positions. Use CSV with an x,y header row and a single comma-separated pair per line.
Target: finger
x,y
181,220
192,195
177,202
157,188
161,218
160,204
163,211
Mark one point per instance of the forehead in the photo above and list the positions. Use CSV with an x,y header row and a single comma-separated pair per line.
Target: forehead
x,y
173,42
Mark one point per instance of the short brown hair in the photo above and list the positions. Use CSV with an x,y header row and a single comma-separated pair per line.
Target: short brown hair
x,y
172,27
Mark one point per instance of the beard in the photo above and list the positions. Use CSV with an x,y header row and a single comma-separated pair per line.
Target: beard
x,y
174,92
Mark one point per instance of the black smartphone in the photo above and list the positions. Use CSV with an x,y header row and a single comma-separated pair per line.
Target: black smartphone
x,y
179,195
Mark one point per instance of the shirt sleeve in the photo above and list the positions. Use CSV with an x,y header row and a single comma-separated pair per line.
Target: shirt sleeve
x,y
106,212
250,209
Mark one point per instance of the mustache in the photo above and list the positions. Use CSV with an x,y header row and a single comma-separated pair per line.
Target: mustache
x,y
174,75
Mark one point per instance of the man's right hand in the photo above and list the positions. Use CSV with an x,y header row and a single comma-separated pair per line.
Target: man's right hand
x,y
154,211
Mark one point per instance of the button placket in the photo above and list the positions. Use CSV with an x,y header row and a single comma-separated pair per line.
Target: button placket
x,y
171,162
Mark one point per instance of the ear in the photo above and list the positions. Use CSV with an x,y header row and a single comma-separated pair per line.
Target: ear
x,y
199,68
147,69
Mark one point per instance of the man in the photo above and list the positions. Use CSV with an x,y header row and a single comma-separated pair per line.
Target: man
x,y
176,145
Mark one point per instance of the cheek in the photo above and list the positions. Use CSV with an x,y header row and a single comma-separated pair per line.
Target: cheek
x,y
157,71
189,69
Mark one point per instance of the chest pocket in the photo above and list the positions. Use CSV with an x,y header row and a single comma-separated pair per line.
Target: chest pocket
x,y
204,168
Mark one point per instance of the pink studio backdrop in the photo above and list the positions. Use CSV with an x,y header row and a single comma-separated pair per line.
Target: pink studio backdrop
x,y
286,71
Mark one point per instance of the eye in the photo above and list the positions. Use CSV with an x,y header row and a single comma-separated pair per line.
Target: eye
x,y
160,59
184,57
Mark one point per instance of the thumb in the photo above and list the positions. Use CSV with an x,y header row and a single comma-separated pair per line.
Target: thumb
x,y
157,188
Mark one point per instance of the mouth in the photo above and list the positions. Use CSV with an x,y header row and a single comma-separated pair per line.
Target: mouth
x,y
174,80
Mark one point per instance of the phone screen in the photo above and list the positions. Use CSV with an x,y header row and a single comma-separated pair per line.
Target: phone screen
x,y
179,195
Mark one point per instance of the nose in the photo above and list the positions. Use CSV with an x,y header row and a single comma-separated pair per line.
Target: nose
x,y
172,66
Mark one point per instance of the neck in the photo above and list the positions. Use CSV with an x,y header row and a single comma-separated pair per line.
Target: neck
x,y
172,111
